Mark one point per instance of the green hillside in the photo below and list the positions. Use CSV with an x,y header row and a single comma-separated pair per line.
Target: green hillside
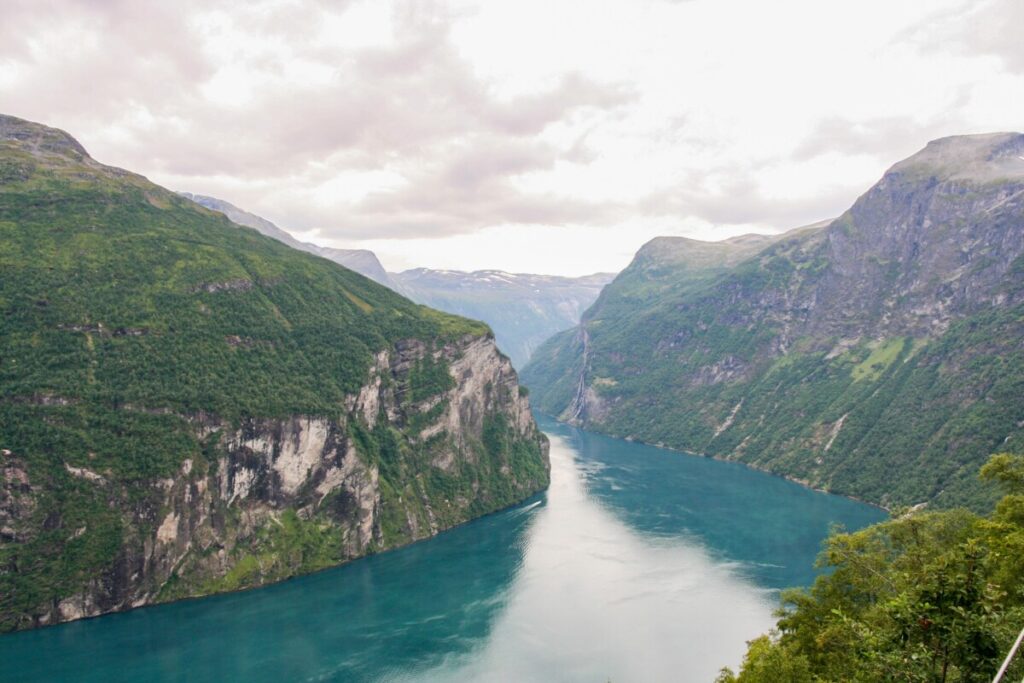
x,y
117,291
140,331
878,357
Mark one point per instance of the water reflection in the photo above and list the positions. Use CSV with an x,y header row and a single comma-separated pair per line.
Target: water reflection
x,y
596,600
772,527
397,612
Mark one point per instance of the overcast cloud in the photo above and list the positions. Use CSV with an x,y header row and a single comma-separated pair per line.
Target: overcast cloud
x,y
544,136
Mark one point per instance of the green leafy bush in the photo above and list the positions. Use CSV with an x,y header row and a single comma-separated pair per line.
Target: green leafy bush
x,y
928,597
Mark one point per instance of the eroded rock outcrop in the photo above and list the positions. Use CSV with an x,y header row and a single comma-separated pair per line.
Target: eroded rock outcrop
x,y
188,407
276,493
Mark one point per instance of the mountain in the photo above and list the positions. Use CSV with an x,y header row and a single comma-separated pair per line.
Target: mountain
x,y
880,356
362,261
524,310
666,267
187,407
663,270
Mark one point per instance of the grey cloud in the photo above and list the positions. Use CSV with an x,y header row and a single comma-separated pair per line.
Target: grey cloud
x,y
530,114
120,37
580,152
417,214
391,99
470,188
137,76
998,32
886,138
740,201
985,28
417,107
482,162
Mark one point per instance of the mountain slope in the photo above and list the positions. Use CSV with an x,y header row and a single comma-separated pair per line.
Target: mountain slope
x,y
879,357
523,310
187,407
362,261
662,270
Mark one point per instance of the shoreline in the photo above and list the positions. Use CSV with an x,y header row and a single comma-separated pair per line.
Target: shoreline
x,y
529,500
751,466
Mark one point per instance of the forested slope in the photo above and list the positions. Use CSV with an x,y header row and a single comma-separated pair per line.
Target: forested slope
x,y
881,356
187,406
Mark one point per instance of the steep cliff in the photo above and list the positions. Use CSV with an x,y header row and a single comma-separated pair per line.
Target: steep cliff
x,y
879,356
187,408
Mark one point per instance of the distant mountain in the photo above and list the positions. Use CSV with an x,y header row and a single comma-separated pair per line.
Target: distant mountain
x,y
362,261
523,310
879,356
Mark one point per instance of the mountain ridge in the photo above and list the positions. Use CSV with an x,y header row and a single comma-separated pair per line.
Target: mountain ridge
x,y
363,261
883,343
188,408
523,309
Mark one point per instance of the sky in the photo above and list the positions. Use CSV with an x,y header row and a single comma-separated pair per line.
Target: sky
x,y
545,136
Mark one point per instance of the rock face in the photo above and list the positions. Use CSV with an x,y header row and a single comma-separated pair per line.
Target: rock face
x,y
879,356
283,496
187,408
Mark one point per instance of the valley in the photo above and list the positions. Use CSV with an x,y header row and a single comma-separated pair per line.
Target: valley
x,y
194,404
455,341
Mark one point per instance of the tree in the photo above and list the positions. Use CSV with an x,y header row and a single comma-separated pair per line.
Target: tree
x,y
768,662
926,597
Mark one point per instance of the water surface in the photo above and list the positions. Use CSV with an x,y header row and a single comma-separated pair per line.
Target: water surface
x,y
638,564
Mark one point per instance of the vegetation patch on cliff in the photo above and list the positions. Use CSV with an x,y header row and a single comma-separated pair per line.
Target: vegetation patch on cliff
x,y
881,357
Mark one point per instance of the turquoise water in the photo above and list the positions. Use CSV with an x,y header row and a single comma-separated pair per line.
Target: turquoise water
x,y
638,564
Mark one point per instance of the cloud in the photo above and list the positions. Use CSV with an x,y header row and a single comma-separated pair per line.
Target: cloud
x,y
999,32
991,28
465,188
89,60
145,80
888,138
740,200
357,120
